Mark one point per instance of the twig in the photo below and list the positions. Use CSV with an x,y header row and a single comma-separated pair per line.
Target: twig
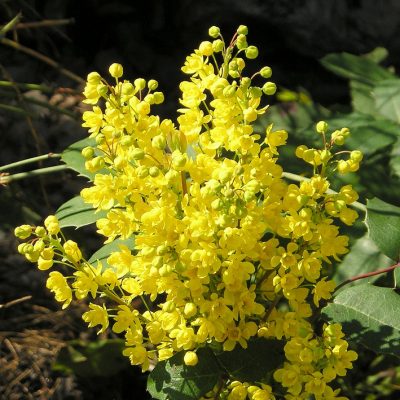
x,y
14,302
29,161
6,179
42,57
44,23
367,275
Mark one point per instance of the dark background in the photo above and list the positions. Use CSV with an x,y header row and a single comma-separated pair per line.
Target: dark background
x,y
151,39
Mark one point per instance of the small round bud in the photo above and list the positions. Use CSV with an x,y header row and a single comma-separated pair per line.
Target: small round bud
x,y
142,172
342,167
190,358
206,48
252,52
229,91
126,140
241,42
161,250
178,160
44,264
52,225
23,231
266,72
190,310
116,70
159,142
100,139
214,31
158,97
102,89
40,231
152,84
321,127
356,156
154,171
97,163
269,88
88,153
137,153
242,30
139,83
245,82
218,45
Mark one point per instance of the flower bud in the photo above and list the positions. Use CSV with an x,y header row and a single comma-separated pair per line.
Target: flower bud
x,y
88,152
154,171
142,172
52,225
255,92
242,30
152,84
137,153
214,31
251,52
158,97
266,72
94,78
206,48
139,83
102,89
116,70
269,88
321,127
241,42
72,250
356,156
218,45
190,358
40,231
159,142
23,231
190,310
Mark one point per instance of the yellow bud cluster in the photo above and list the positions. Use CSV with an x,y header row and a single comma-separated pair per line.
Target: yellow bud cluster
x,y
200,221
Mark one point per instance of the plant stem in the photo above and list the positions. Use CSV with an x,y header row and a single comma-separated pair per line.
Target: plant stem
x,y
44,23
298,178
42,57
29,86
29,161
6,179
367,275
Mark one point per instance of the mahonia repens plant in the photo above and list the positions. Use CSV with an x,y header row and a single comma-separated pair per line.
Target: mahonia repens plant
x,y
226,250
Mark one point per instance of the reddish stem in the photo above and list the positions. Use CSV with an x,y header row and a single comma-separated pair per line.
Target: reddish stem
x,y
368,274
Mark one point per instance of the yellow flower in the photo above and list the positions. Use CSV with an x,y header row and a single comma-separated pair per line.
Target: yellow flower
x,y
97,315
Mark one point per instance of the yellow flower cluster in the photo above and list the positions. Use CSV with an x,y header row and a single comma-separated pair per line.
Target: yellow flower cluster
x,y
225,249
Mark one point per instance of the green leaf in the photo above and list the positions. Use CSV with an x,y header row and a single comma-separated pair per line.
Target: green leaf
x,y
383,222
395,157
102,358
364,257
387,99
104,252
261,357
173,380
369,315
77,213
361,97
73,158
377,55
355,67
